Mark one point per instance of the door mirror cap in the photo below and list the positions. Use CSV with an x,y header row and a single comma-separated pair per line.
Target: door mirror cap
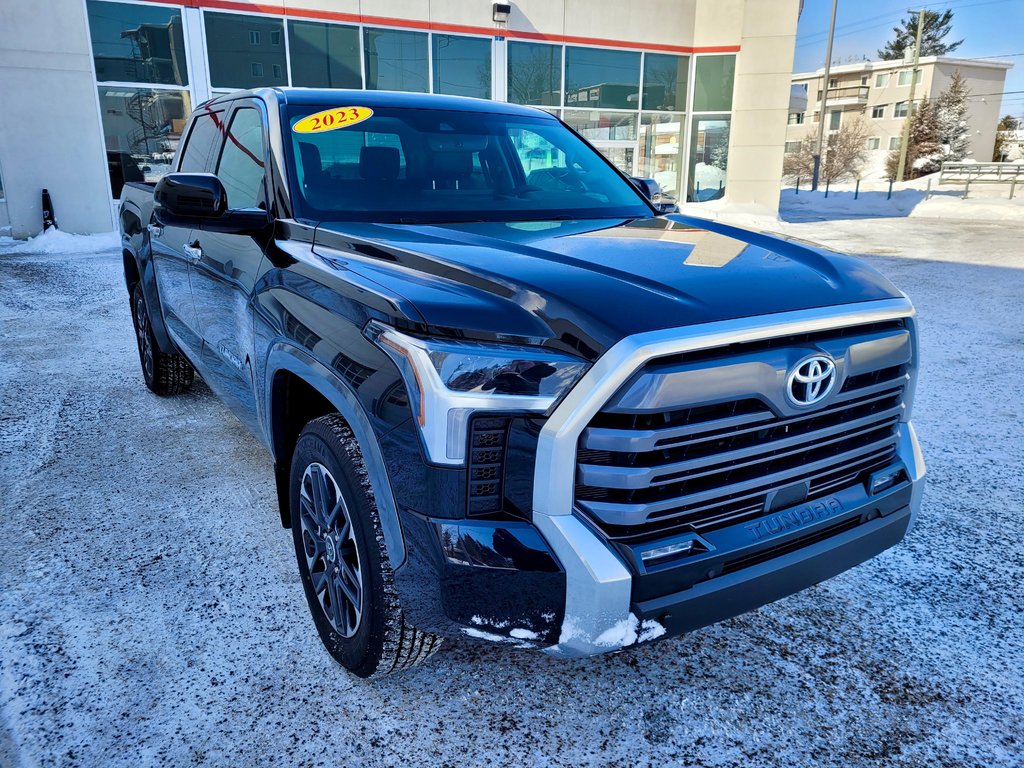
x,y
648,187
189,196
651,189
199,201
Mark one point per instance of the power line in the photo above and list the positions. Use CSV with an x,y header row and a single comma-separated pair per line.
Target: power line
x,y
865,24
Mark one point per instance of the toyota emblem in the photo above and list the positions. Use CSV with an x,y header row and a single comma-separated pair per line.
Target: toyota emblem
x,y
811,380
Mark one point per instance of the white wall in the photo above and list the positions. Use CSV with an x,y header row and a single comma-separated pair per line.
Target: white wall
x,y
53,138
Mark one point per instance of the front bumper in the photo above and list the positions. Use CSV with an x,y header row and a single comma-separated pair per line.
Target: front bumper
x,y
826,537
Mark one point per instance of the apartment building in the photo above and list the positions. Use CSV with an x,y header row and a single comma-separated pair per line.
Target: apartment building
x,y
879,93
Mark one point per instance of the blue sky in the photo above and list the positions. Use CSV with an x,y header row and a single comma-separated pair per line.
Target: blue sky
x,y
989,28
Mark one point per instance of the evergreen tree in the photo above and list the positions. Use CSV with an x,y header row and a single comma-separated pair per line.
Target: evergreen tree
x,y
720,154
924,152
954,132
1007,125
933,35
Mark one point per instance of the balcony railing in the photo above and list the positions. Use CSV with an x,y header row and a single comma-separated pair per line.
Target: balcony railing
x,y
850,94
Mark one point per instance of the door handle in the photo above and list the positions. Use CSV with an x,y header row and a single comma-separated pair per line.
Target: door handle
x,y
193,252
155,230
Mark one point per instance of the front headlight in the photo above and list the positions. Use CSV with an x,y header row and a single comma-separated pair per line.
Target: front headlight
x,y
448,381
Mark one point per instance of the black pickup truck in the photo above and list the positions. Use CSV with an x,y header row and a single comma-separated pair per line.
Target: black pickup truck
x,y
507,396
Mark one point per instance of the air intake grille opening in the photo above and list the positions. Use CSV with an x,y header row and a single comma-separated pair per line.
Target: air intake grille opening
x,y
646,473
488,438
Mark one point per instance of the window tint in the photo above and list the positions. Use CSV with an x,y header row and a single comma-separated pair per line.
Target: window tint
x,y
241,163
422,165
881,79
713,80
395,61
137,43
534,73
324,55
596,77
665,81
462,66
201,140
242,51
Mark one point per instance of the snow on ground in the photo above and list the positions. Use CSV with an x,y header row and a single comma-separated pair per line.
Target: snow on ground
x,y
988,202
150,611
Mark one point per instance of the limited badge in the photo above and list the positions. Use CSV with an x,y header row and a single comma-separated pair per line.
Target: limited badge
x,y
332,119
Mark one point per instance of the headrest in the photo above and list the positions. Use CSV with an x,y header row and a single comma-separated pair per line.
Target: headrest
x,y
312,165
379,163
451,166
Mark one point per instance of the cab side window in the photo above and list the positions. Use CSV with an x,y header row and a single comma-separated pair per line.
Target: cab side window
x,y
206,129
241,167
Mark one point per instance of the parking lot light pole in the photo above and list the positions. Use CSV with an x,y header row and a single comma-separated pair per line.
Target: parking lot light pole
x,y
824,100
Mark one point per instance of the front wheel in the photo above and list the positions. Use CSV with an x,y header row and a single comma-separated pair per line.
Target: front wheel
x,y
164,374
342,557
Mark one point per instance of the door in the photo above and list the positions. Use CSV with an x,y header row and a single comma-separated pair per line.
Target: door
x,y
620,153
226,266
172,257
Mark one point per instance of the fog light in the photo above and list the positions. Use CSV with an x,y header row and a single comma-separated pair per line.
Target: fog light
x,y
885,479
675,549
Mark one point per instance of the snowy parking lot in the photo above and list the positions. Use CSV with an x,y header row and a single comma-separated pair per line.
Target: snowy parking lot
x,y
151,611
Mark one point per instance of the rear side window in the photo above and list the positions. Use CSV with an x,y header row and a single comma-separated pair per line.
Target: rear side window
x,y
201,140
241,166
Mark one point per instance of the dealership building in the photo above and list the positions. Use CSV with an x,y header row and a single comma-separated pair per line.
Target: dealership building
x,y
692,93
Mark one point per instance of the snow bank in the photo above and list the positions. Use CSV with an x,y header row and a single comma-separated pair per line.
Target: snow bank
x,y
56,242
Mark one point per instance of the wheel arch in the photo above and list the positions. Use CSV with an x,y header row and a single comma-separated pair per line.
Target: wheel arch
x,y
300,388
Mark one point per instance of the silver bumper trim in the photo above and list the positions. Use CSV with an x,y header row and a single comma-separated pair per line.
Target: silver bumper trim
x,y
598,584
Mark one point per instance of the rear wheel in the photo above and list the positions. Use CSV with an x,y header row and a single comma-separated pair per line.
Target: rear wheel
x,y
164,374
342,557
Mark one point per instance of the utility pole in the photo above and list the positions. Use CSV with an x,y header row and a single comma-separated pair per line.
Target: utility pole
x,y
824,99
910,104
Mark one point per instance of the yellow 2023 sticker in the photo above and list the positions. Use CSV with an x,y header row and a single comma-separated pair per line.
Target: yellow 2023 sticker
x,y
332,119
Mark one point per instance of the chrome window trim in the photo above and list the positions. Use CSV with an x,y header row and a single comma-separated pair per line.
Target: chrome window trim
x,y
598,584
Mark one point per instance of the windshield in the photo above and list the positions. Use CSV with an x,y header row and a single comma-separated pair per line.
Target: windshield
x,y
435,166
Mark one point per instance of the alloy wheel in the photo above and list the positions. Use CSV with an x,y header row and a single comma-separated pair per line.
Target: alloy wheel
x,y
143,335
329,544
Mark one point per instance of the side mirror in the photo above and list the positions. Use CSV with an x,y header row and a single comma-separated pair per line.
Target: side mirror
x,y
182,198
651,189
199,201
648,187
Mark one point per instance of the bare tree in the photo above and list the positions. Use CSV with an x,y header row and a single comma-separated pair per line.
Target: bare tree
x,y
845,155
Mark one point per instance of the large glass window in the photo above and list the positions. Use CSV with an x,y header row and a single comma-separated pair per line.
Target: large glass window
x,y
141,132
324,55
602,126
206,129
462,66
534,73
137,43
245,51
709,158
395,60
663,151
665,81
713,81
241,164
596,77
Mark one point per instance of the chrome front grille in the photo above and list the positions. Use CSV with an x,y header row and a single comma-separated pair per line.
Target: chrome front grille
x,y
650,463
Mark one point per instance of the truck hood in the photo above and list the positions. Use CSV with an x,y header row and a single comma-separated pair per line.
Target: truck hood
x,y
585,285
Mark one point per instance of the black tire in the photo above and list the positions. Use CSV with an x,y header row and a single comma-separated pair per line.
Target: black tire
x,y
380,641
164,374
